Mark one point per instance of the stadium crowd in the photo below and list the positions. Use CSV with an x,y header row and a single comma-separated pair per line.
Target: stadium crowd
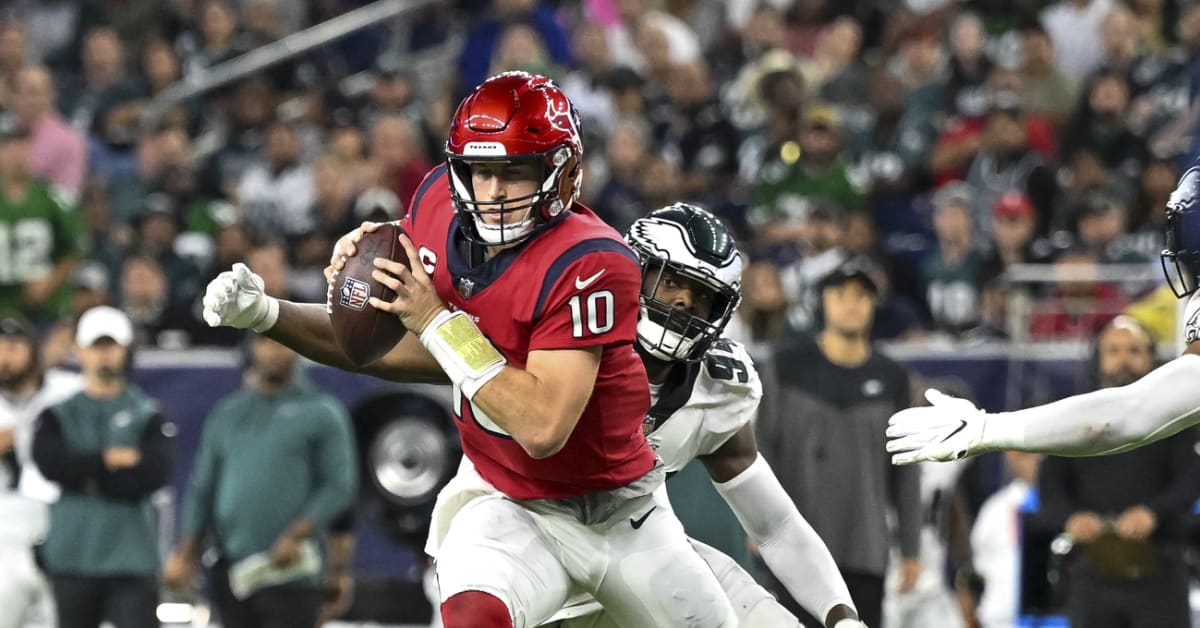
x,y
945,140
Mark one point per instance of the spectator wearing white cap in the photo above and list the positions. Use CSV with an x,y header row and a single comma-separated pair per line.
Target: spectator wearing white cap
x,y
109,449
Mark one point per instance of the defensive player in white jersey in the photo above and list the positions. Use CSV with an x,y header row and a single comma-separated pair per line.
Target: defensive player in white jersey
x,y
1107,421
704,393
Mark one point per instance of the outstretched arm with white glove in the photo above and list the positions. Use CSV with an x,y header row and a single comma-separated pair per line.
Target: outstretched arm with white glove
x,y
235,298
1106,421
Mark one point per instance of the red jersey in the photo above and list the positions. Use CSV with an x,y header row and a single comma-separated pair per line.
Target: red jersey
x,y
575,284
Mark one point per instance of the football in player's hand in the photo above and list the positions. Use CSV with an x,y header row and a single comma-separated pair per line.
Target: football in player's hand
x,y
363,332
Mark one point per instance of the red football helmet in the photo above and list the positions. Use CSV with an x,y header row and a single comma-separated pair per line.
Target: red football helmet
x,y
515,117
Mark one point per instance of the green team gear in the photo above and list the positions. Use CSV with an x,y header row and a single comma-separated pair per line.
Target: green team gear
x,y
36,234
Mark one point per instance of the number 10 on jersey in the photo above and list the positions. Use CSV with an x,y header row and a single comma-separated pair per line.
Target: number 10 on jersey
x,y
595,312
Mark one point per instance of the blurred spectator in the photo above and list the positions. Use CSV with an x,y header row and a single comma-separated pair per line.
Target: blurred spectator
x,y
670,38
250,109
26,389
1082,176
996,543
1078,303
483,39
921,60
1100,225
276,194
276,466
1045,88
55,29
520,48
707,143
157,229
106,239
760,320
1102,125
780,96
822,238
145,296
217,39
1147,218
394,92
980,126
269,260
812,172
893,140
397,157
619,200
104,82
335,215
1014,236
14,56
661,182
1009,160
1127,511
952,273
110,449
90,287
57,151
833,73
41,233
583,82
1075,28
968,64
1155,23
822,428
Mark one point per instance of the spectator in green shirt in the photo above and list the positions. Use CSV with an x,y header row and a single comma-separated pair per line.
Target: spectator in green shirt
x,y
276,467
805,172
41,234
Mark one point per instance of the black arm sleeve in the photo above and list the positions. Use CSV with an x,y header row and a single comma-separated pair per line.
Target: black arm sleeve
x,y
152,472
57,462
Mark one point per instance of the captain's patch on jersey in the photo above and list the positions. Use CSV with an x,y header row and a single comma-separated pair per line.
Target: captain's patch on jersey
x,y
355,294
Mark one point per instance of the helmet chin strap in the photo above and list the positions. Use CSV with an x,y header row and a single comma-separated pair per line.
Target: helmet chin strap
x,y
502,233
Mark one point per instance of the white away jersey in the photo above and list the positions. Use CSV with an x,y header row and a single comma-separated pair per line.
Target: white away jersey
x,y
702,406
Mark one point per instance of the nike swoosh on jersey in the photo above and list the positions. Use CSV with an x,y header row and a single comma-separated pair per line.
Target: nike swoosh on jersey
x,y
581,283
637,523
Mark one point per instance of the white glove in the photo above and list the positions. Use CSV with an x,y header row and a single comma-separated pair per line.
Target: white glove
x,y
1191,317
950,429
850,623
236,299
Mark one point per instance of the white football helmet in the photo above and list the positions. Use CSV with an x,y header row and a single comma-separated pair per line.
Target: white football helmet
x,y
691,242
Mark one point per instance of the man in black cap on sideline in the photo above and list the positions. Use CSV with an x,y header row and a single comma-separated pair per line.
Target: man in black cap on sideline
x,y
821,426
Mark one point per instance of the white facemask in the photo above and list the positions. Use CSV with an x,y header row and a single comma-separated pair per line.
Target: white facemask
x,y
661,342
504,233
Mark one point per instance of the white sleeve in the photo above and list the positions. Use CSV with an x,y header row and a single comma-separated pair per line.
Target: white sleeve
x,y
789,545
1107,421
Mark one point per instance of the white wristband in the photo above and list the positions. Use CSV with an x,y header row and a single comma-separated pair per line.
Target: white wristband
x,y
468,357
269,317
849,623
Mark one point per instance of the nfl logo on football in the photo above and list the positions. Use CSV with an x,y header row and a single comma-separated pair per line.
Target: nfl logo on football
x,y
355,293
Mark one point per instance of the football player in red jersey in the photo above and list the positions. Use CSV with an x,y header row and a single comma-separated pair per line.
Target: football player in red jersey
x,y
528,304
